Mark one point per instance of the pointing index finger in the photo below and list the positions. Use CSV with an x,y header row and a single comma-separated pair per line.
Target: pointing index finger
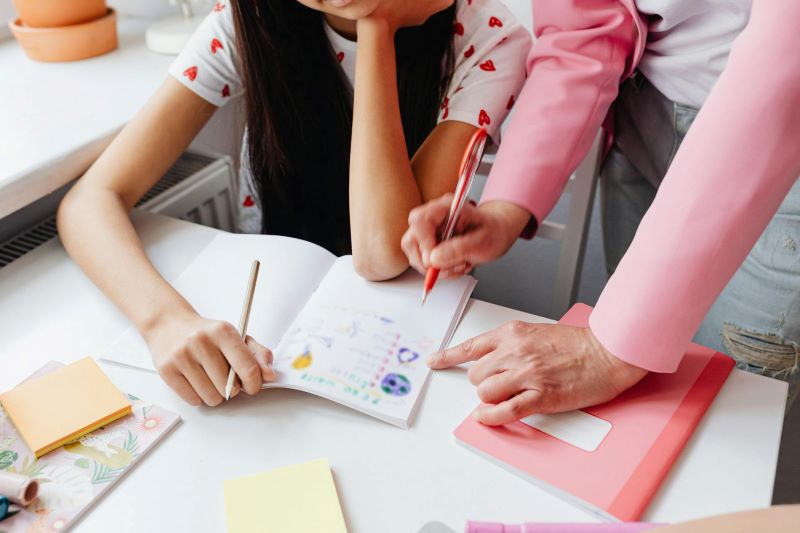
x,y
469,350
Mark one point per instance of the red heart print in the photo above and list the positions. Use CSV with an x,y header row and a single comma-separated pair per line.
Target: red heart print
x,y
510,102
340,56
446,113
495,22
219,6
226,91
215,45
458,28
248,201
483,118
446,103
488,66
190,73
469,52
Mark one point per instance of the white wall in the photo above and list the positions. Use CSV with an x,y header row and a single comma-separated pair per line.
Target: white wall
x,y
158,8
521,10
7,13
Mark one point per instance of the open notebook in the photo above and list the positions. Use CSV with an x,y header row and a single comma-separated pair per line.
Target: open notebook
x,y
358,343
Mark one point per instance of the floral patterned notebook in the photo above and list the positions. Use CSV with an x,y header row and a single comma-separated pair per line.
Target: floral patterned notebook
x,y
72,477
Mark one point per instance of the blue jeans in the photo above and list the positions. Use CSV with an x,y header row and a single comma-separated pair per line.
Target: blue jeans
x,y
756,319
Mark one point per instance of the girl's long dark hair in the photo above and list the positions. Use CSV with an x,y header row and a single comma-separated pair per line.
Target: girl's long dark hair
x,y
299,111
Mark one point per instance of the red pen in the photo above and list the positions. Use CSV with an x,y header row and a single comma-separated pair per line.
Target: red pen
x,y
469,166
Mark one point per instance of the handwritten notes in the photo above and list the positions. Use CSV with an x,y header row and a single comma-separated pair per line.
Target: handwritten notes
x,y
356,356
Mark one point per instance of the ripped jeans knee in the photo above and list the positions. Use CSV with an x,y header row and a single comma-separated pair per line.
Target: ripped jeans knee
x,y
765,354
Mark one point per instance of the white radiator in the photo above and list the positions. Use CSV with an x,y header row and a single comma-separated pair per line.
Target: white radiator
x,y
199,187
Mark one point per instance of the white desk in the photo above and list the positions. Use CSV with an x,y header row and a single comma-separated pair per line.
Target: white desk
x,y
58,117
389,480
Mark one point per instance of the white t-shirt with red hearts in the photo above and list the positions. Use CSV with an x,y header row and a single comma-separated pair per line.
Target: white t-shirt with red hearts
x,y
491,48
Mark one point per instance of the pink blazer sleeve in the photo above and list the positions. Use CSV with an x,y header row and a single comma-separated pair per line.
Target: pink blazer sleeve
x,y
735,166
582,50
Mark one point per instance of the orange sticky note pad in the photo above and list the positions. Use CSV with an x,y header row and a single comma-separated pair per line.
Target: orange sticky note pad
x,y
64,405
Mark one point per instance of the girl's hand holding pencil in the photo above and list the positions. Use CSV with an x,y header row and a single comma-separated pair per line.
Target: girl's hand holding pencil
x,y
193,355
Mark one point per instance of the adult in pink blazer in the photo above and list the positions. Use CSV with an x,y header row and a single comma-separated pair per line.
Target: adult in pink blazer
x,y
731,173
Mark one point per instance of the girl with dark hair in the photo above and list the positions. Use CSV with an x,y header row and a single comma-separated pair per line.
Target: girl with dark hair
x,y
357,111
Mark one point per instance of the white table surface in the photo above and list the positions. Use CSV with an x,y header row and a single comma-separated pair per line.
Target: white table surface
x,y
389,480
56,118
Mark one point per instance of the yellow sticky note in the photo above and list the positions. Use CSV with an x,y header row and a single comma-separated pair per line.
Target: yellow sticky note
x,y
293,499
63,405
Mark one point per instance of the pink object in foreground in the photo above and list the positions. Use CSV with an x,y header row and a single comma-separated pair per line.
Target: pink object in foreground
x,y
650,424
489,527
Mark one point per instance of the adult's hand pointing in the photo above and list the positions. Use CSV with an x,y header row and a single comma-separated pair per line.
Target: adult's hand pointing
x,y
523,368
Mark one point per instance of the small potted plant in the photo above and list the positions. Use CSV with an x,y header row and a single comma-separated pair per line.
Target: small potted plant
x,y
61,30
57,13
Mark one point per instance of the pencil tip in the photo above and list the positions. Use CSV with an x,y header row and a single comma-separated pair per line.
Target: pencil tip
x,y
424,297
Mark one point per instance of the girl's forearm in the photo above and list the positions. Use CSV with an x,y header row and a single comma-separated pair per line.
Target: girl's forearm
x,y
93,218
96,231
383,189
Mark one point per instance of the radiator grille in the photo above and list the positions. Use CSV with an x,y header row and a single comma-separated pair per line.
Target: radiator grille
x,y
188,165
22,244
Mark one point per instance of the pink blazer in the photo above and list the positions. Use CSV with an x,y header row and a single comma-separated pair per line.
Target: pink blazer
x,y
735,166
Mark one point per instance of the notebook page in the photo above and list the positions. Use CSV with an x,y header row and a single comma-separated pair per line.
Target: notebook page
x,y
216,281
364,344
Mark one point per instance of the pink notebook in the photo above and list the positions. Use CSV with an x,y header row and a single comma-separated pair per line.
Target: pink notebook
x,y
611,458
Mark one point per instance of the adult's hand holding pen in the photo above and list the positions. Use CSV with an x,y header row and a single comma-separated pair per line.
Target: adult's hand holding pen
x,y
483,233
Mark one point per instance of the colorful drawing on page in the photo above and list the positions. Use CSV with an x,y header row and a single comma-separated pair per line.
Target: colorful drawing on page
x,y
405,355
361,314
350,329
327,341
315,379
395,384
303,360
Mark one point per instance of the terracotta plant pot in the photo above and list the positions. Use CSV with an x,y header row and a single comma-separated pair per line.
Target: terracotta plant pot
x,y
68,43
55,13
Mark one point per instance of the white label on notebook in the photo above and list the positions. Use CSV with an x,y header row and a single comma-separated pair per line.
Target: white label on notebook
x,y
578,428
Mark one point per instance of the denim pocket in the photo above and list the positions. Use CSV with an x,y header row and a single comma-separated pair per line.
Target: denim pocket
x,y
682,118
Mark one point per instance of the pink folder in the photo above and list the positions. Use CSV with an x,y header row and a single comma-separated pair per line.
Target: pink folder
x,y
650,424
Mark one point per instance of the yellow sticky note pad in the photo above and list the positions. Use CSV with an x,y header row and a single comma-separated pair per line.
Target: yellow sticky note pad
x,y
293,499
63,405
